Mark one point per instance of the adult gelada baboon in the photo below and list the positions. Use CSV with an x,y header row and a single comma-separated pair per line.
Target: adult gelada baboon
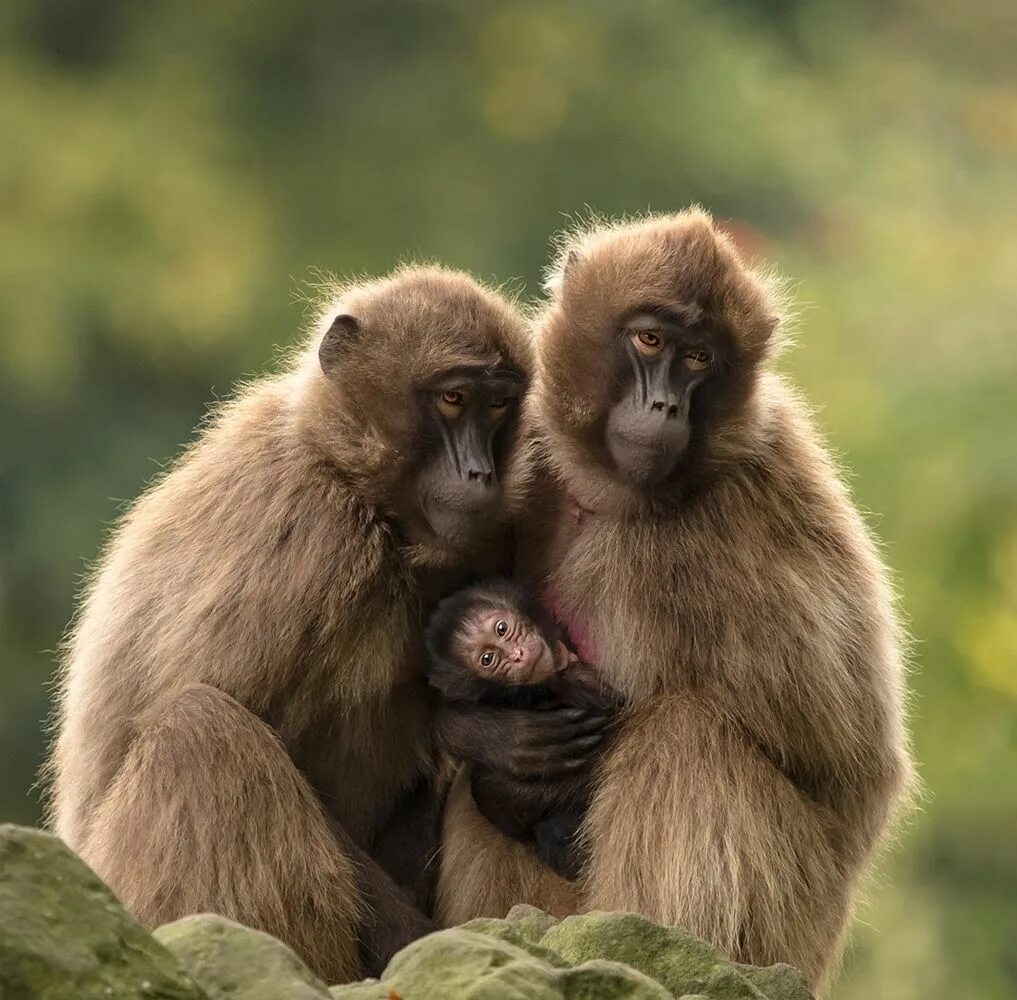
x,y
244,724
694,538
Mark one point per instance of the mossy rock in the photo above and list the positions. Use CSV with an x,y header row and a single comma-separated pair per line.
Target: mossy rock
x,y
680,962
370,989
530,922
230,961
514,934
63,934
464,964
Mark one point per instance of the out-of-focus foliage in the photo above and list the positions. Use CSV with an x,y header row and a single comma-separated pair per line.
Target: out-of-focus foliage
x,y
171,173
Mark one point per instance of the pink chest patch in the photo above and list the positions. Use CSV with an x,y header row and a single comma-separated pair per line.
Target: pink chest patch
x,y
577,629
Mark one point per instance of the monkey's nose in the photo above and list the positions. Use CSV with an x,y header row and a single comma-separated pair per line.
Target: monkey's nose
x,y
518,654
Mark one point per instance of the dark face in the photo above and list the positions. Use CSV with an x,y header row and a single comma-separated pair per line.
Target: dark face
x,y
505,647
470,416
661,365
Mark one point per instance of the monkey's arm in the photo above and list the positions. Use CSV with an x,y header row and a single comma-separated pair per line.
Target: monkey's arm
x,y
521,746
826,713
690,825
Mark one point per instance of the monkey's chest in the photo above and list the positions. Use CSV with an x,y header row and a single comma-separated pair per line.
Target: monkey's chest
x,y
620,595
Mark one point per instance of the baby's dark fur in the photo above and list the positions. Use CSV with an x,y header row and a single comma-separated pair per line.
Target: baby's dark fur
x,y
551,826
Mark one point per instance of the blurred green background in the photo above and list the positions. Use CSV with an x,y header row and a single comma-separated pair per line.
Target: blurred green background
x,y
171,173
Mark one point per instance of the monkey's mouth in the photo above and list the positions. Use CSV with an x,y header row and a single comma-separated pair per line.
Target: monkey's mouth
x,y
457,523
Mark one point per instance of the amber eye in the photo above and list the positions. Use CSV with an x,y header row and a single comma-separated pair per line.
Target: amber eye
x,y
698,361
486,658
501,628
647,342
451,403
499,404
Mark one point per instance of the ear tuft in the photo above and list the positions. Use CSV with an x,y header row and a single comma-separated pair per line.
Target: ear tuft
x,y
336,341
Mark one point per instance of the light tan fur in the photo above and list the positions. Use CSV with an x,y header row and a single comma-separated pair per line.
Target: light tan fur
x,y
245,666
741,608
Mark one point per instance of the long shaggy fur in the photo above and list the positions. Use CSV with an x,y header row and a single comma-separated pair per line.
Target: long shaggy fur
x,y
742,610
245,666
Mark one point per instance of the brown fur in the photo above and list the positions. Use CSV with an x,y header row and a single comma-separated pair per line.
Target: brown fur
x,y
249,648
742,610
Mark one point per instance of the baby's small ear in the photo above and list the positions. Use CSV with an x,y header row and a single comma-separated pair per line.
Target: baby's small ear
x,y
336,342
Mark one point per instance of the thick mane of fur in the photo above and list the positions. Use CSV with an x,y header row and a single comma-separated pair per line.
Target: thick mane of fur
x,y
243,678
741,609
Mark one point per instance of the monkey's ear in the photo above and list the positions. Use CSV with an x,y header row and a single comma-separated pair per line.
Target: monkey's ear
x,y
335,342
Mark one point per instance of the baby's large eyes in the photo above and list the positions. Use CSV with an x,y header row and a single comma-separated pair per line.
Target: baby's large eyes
x,y
502,627
486,658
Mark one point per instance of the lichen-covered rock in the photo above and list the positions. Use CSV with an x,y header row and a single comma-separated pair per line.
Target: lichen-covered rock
x,y
530,922
458,964
680,962
233,962
598,956
506,930
64,935
367,990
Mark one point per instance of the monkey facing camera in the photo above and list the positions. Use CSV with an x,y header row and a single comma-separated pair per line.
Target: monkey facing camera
x,y
493,644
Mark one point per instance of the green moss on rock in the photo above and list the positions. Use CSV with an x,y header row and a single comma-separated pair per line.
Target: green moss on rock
x,y
680,962
530,922
63,934
230,961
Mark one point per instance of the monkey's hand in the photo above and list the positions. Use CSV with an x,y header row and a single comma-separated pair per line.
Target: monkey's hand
x,y
527,746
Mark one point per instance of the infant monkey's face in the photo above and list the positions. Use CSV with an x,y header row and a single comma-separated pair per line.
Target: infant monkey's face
x,y
506,647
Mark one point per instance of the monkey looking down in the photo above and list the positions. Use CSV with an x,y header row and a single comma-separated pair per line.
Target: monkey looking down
x,y
492,643
245,727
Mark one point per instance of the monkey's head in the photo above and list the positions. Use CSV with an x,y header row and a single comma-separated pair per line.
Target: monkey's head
x,y
648,353
413,391
490,636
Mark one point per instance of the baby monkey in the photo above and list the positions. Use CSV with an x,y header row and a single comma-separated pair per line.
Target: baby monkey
x,y
493,644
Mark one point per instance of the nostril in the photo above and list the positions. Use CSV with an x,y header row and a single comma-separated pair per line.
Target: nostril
x,y
658,405
484,477
672,410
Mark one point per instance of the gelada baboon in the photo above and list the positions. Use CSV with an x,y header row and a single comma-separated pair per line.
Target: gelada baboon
x,y
693,537
492,643
244,715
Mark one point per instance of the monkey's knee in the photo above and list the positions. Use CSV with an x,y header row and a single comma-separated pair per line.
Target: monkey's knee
x,y
208,813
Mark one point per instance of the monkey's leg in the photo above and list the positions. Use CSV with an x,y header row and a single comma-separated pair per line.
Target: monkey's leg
x,y
484,873
691,825
208,813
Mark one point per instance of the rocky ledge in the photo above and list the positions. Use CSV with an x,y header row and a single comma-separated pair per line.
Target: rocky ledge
x,y
64,934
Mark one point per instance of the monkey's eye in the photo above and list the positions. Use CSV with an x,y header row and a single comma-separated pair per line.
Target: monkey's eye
x,y
698,361
486,658
501,627
451,403
647,342
499,404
